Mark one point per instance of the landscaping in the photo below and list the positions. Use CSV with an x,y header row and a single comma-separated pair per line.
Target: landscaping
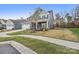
x,y
75,31
64,34
41,47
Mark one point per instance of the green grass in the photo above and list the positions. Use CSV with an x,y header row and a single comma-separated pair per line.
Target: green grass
x,y
41,47
21,32
75,30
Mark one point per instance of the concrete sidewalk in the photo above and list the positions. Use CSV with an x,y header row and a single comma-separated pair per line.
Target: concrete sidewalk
x,y
11,31
4,34
69,44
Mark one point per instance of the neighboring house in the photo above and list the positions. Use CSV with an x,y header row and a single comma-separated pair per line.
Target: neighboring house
x,y
9,25
41,19
1,26
16,24
25,25
20,24
3,23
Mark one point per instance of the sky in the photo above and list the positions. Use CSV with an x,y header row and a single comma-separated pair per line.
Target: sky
x,y
15,11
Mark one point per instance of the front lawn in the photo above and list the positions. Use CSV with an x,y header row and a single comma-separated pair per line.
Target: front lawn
x,y
41,47
75,31
21,32
64,34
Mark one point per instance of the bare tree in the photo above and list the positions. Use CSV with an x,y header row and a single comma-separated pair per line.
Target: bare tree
x,y
57,16
69,18
58,20
75,13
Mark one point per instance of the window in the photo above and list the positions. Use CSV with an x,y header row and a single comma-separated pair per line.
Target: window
x,y
47,16
43,17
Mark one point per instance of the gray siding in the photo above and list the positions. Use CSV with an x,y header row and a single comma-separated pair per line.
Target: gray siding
x,y
50,20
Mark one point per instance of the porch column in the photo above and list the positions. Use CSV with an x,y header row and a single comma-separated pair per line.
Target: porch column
x,y
47,24
36,25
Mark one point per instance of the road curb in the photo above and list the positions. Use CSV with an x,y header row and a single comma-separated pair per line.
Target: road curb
x,y
19,47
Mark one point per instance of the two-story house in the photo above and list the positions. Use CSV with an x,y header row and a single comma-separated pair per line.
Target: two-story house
x,y
41,19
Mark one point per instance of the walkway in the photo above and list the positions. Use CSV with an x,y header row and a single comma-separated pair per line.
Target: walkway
x,y
4,34
69,44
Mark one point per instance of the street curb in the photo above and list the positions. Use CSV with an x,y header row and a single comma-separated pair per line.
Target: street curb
x,y
19,47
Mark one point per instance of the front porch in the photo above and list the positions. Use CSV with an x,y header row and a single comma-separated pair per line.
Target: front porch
x,y
39,25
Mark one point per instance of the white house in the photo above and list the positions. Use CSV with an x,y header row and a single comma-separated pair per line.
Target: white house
x,y
41,18
3,23
17,24
26,25
21,24
9,25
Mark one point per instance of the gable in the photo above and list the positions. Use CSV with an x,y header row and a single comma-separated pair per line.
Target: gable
x,y
3,21
9,22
